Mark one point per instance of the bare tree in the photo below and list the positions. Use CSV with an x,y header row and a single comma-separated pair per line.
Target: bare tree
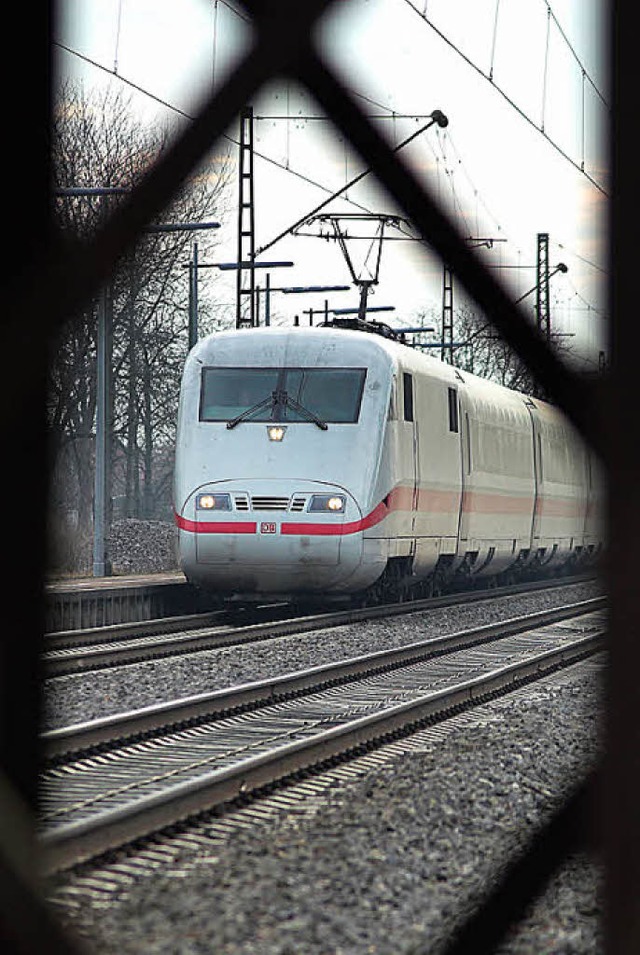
x,y
485,354
481,351
98,142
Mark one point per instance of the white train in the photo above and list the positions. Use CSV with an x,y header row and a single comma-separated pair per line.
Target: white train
x,y
332,461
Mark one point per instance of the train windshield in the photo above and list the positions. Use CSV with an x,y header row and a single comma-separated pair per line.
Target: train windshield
x,y
332,395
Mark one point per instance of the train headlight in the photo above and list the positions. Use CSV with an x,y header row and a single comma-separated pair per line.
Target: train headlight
x,y
213,502
334,503
276,432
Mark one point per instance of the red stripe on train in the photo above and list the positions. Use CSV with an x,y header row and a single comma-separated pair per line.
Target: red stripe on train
x,y
245,527
216,527
400,498
331,530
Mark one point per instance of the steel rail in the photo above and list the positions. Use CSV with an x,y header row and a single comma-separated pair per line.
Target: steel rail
x,y
133,724
76,636
69,652
90,636
82,840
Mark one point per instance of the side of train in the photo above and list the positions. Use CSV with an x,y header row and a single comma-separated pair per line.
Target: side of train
x,y
333,461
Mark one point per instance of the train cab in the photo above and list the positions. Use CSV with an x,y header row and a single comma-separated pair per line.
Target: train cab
x,y
280,432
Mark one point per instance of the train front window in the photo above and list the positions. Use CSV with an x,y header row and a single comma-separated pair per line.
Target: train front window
x,y
229,392
332,395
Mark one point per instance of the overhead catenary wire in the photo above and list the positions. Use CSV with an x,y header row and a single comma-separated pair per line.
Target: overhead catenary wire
x,y
390,114
493,39
474,66
587,305
436,117
582,258
185,115
440,135
575,55
461,165
387,112
238,13
398,226
476,192
450,174
117,42
214,43
545,71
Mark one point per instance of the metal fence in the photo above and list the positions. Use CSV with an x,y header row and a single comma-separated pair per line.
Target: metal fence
x,y
46,281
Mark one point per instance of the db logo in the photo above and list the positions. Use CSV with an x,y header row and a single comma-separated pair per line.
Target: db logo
x,y
266,527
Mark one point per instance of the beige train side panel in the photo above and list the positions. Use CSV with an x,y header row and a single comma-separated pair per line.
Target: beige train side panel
x,y
498,472
561,508
421,464
438,466
395,483
594,529
396,475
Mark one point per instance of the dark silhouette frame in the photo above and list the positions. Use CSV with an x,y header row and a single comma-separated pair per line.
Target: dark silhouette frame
x,y
46,280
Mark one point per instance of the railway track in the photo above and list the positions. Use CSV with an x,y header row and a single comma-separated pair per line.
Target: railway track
x,y
79,651
117,780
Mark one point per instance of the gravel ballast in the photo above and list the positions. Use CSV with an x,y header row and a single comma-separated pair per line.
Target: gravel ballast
x,y
390,863
142,547
79,698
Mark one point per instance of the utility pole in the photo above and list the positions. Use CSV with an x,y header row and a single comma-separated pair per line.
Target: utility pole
x,y
543,276
543,315
446,349
541,288
101,565
246,224
193,297
313,311
446,341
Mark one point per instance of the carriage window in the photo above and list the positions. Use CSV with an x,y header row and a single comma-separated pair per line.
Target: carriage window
x,y
332,394
407,381
391,415
453,410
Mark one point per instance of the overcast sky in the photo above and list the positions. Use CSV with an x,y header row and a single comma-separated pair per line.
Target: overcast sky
x,y
522,82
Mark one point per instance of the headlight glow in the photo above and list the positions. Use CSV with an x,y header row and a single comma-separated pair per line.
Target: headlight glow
x,y
213,502
276,432
328,502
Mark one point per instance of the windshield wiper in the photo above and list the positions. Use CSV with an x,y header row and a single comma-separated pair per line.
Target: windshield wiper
x,y
276,399
281,397
252,410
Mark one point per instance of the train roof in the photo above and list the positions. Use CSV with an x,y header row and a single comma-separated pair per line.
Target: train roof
x,y
354,343
297,337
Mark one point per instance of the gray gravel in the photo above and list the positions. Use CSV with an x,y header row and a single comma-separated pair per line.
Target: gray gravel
x,y
392,861
142,547
75,699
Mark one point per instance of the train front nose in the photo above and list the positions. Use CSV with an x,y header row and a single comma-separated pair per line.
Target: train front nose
x,y
273,536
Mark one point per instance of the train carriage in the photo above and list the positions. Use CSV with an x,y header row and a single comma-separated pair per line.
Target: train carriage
x,y
333,461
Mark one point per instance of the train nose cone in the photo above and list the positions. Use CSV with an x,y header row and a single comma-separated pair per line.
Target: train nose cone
x,y
279,536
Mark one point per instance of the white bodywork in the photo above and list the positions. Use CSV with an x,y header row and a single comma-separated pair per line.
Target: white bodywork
x,y
513,482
